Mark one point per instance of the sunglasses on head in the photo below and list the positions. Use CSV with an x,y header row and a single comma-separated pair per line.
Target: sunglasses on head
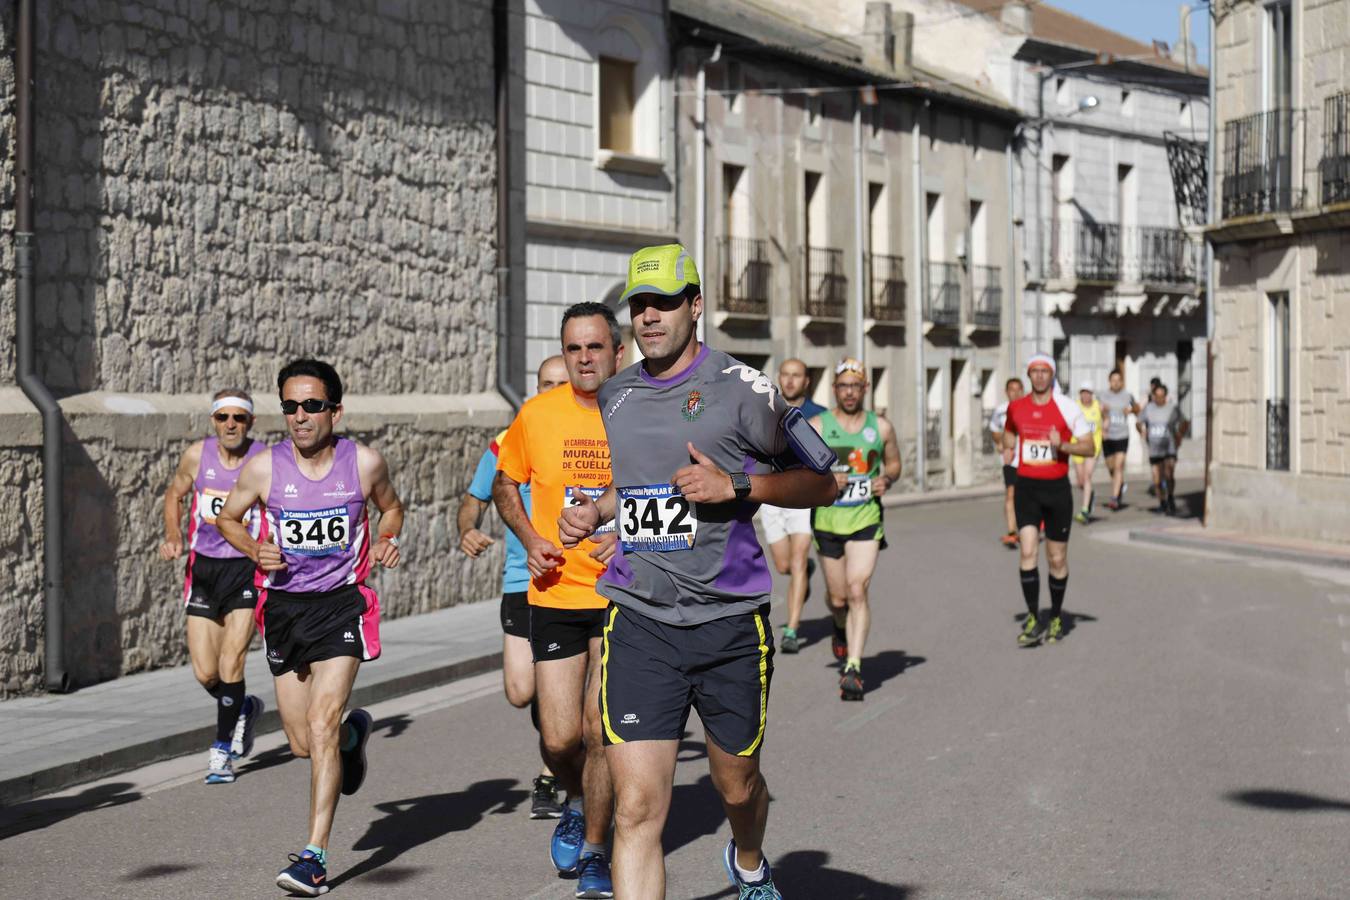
x,y
241,418
312,405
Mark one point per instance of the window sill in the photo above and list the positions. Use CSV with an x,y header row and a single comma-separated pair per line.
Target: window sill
x,y
614,161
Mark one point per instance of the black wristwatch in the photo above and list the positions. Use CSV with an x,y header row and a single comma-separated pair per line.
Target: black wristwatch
x,y
740,483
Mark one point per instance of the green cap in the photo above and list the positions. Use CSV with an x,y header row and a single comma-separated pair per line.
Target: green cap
x,y
666,270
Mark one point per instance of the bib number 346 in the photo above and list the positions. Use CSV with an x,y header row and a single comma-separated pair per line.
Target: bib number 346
x,y
655,517
316,533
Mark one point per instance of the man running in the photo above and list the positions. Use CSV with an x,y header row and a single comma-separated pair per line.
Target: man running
x,y
997,422
849,534
788,531
517,659
1161,425
218,593
688,626
1117,406
1084,466
318,618
557,444
1045,428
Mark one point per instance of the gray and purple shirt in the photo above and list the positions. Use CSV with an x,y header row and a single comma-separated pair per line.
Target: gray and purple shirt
x,y
210,487
320,526
679,562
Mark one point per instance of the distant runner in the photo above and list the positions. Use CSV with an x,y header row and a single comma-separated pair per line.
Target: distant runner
x,y
997,422
1162,425
1084,466
1117,406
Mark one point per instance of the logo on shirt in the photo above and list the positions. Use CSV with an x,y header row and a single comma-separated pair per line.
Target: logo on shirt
x,y
613,407
693,406
291,491
870,434
758,381
210,473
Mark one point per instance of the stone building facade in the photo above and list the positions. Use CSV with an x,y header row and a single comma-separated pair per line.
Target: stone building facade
x,y
219,188
1281,448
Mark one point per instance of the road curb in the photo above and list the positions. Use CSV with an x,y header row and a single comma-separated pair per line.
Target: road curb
x,y
948,495
31,785
1165,537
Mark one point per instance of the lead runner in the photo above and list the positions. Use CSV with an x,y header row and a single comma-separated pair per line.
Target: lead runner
x,y
687,625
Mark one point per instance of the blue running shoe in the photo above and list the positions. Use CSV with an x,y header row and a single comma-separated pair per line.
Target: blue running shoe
x,y
242,744
354,760
568,838
218,768
305,875
759,890
593,881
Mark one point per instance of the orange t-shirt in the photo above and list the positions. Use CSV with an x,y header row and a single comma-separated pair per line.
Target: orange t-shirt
x,y
557,444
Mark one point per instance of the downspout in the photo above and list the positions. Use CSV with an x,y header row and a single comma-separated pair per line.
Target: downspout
x,y
916,318
501,38
1014,271
1211,218
701,173
53,597
1040,224
860,228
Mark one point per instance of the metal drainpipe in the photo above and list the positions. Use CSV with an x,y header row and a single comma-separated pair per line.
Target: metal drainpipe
x,y
53,597
1014,271
502,70
1211,217
921,268
860,229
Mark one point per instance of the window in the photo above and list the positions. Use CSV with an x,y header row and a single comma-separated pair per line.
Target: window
x,y
617,101
1059,348
872,114
1279,56
881,390
814,207
735,88
1063,96
1277,383
814,108
1185,377
1126,102
735,205
1184,113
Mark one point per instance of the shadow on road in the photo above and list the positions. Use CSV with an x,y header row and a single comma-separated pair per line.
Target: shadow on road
x,y
695,811
159,870
395,725
277,756
804,873
882,667
419,820
1070,618
813,630
49,810
1287,801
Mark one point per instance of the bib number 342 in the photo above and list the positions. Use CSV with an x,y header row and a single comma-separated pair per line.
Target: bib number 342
x,y
655,517
314,533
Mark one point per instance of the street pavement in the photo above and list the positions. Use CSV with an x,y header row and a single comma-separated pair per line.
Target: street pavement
x,y
1188,739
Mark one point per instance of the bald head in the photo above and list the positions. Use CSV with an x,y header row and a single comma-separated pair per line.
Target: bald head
x,y
552,372
792,380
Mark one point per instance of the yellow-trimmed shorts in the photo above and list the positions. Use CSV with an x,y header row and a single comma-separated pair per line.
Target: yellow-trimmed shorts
x,y
652,674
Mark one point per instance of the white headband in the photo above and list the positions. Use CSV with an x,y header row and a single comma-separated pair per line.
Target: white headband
x,y
1042,359
223,402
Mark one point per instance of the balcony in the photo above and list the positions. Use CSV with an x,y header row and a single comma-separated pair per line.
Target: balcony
x,y
826,285
987,288
1277,435
1165,256
942,302
1335,165
1258,165
746,272
886,290
1081,250
932,434
1106,253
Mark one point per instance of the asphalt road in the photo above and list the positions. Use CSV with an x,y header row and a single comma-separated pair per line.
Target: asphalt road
x,y
1189,739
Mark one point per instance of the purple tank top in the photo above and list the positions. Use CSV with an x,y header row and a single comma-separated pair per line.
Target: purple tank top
x,y
210,488
320,526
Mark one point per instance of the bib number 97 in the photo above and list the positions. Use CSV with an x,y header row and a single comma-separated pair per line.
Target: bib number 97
x,y
314,533
1037,453
655,518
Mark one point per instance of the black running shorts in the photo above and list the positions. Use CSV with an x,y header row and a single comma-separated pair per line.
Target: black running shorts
x,y
652,673
218,586
563,633
1048,500
831,545
299,629
516,614
1159,460
1009,476
1111,447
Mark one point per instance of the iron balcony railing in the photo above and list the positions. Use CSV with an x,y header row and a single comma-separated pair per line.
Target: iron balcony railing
x,y
1335,164
1081,250
826,283
932,434
1163,255
745,276
886,293
987,445
1277,435
942,304
1107,252
1258,165
987,291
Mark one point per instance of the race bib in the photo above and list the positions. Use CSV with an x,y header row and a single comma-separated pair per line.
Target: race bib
x,y
211,501
856,492
1117,417
319,532
594,493
1037,453
655,517
1157,432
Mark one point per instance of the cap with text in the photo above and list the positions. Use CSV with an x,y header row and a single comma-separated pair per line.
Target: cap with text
x,y
667,270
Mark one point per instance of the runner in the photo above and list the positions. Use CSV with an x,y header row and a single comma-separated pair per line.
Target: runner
x,y
850,534
1013,388
517,660
218,593
557,444
788,531
1117,406
318,618
1084,466
1045,427
1163,427
688,626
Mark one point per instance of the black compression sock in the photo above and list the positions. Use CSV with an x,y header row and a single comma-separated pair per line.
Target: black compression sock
x,y
213,690
1031,590
229,705
1057,588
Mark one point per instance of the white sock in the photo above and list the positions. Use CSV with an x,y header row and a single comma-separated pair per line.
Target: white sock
x,y
750,877
575,803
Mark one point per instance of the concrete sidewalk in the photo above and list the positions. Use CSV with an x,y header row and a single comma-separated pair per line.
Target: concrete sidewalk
x,y
1196,536
53,741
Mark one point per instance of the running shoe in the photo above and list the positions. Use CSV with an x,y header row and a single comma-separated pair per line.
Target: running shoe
x,y
568,838
354,760
218,767
790,642
759,890
1032,632
839,644
242,743
1113,504
305,875
1171,506
1009,540
1054,631
544,804
593,879
851,684
1080,517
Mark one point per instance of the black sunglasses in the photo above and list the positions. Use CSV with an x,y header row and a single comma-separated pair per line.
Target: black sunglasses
x,y
312,406
241,418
